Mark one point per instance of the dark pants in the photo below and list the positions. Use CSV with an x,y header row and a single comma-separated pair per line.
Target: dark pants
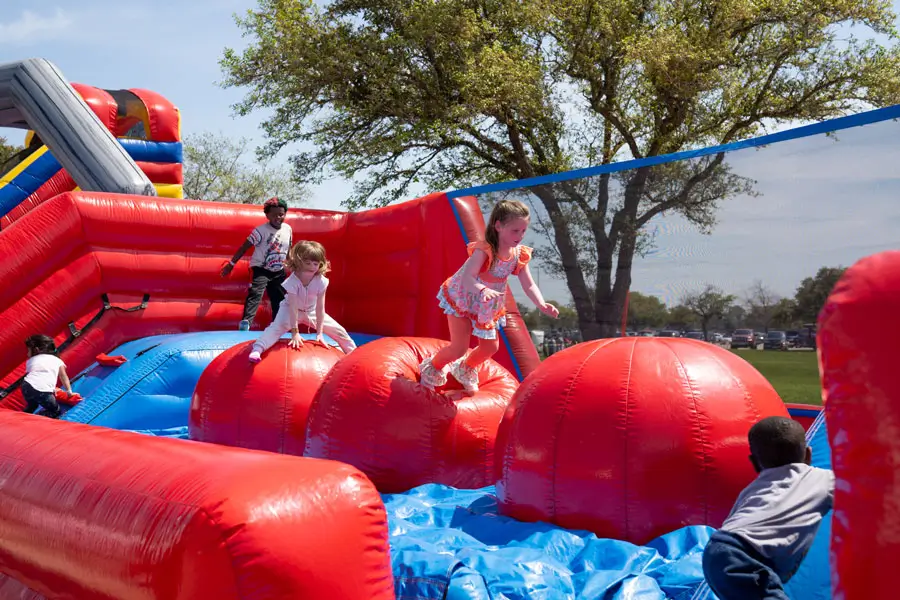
x,y
46,400
734,570
264,281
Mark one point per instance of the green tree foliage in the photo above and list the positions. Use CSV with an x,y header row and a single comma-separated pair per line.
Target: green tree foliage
x,y
216,168
682,317
7,151
709,304
446,94
646,312
814,291
784,314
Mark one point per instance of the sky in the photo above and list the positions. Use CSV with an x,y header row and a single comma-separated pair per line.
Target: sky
x,y
822,202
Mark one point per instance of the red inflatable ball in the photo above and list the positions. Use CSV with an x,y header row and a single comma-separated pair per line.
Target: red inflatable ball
x,y
632,438
262,406
372,412
858,329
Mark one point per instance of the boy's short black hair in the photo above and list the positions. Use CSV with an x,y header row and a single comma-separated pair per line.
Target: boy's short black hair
x,y
40,344
274,203
777,441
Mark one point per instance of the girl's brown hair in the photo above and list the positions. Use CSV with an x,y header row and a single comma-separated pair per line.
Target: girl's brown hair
x,y
307,250
503,212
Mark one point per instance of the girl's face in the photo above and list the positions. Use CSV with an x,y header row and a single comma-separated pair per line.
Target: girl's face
x,y
310,266
276,216
512,231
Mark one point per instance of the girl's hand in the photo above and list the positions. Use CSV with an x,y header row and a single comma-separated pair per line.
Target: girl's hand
x,y
549,310
320,339
489,294
296,341
226,270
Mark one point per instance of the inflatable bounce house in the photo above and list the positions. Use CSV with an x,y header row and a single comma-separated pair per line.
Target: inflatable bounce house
x,y
185,472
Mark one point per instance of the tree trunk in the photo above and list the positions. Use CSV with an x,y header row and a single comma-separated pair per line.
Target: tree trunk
x,y
609,296
569,258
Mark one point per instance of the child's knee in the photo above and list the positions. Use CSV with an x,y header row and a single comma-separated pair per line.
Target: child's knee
x,y
489,347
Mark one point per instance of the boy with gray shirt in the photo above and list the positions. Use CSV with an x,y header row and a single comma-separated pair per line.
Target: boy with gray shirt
x,y
772,525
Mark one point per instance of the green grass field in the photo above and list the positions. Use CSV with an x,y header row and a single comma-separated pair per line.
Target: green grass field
x,y
794,375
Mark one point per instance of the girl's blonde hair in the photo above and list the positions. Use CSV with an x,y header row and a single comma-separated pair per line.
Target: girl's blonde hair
x,y
308,250
503,212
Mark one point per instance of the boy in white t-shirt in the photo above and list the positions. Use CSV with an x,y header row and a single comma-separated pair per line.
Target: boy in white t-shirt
x,y
42,371
774,520
270,242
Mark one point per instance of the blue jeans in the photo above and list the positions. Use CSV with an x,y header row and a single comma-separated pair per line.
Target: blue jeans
x,y
734,570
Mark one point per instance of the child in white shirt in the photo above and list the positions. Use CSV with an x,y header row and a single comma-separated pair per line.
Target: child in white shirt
x,y
42,370
270,242
304,303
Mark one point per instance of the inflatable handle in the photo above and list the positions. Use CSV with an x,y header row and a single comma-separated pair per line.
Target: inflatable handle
x,y
111,361
65,397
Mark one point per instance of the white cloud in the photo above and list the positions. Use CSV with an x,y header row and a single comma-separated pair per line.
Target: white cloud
x,y
31,27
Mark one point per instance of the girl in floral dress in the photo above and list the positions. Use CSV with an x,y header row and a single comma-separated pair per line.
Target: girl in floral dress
x,y
474,298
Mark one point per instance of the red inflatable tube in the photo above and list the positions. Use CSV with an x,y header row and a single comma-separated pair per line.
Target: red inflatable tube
x,y
165,118
93,513
857,332
101,102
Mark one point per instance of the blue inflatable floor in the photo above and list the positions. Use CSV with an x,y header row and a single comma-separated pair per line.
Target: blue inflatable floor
x,y
453,544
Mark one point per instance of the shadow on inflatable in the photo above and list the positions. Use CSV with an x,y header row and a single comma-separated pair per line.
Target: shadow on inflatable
x,y
189,473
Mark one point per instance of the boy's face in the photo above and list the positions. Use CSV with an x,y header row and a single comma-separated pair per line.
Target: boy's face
x,y
276,216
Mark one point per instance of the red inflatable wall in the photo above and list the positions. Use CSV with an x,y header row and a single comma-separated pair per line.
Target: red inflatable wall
x,y
62,257
857,330
90,513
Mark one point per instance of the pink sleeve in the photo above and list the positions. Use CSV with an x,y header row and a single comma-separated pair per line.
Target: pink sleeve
x,y
524,259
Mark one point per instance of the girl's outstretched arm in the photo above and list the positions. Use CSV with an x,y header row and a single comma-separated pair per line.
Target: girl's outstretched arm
x,y
293,307
471,268
534,293
320,316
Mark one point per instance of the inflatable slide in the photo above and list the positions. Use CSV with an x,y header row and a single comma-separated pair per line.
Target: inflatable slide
x,y
146,125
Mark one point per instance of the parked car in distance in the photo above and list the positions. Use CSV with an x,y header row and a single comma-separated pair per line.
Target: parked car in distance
x,y
694,335
668,333
743,338
793,337
775,340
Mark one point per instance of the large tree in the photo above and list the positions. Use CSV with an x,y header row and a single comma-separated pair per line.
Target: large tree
x,y
216,167
762,304
708,304
814,291
451,93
